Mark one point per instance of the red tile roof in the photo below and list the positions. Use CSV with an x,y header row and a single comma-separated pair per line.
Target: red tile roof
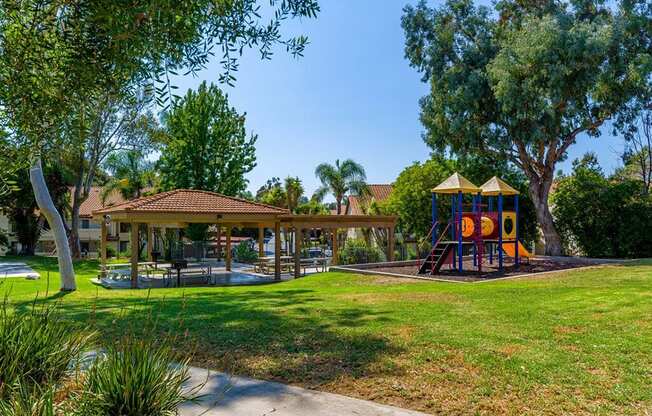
x,y
193,202
94,201
378,192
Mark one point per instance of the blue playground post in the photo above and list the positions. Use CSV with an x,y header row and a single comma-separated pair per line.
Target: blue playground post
x,y
459,231
434,218
490,201
453,225
474,210
516,262
500,232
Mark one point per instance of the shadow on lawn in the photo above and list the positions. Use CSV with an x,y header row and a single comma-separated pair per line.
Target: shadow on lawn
x,y
281,335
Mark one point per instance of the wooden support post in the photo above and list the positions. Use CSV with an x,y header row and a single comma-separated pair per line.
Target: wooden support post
x,y
261,241
133,241
228,248
103,249
335,258
117,232
390,244
150,242
219,242
277,250
297,252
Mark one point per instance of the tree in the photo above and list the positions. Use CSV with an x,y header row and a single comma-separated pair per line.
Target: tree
x,y
638,152
275,182
20,206
112,125
56,56
293,193
524,82
340,179
130,174
601,216
207,146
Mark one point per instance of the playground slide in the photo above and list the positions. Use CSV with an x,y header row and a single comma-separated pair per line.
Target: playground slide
x,y
508,248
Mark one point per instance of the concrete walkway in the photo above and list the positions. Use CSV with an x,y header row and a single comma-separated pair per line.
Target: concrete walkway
x,y
17,269
239,396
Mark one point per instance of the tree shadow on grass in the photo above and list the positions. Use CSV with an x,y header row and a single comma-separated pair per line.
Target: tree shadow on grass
x,y
283,335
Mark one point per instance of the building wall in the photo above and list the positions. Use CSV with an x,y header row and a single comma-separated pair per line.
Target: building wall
x,y
89,237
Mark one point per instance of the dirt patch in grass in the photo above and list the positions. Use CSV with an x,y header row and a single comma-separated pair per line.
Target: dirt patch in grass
x,y
420,297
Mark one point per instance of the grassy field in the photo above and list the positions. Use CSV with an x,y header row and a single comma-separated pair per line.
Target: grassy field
x,y
573,342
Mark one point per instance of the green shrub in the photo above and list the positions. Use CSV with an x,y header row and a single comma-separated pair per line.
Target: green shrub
x,y
133,378
599,216
245,253
110,251
357,251
30,401
36,349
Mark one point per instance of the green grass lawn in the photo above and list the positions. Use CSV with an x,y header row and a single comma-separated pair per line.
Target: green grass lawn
x,y
572,342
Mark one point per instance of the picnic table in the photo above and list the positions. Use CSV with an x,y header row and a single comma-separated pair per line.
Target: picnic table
x,y
265,265
120,271
190,269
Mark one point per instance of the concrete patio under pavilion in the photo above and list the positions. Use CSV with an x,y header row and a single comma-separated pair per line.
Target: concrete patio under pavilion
x,y
180,207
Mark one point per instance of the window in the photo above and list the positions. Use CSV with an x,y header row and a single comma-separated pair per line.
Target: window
x,y
125,227
84,246
85,224
124,246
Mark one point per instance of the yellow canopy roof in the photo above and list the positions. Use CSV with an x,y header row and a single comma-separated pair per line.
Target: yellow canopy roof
x,y
495,186
456,183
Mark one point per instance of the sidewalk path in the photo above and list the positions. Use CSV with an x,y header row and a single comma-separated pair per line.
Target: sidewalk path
x,y
239,396
16,269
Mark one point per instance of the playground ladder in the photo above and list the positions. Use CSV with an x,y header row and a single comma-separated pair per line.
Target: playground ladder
x,y
437,256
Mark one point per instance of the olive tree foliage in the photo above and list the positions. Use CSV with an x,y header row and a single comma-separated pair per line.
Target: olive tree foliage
x,y
524,80
59,56
115,124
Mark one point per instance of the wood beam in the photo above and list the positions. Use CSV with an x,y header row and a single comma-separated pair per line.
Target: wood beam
x,y
297,252
103,237
228,248
390,244
134,254
261,241
277,250
219,242
150,242
335,248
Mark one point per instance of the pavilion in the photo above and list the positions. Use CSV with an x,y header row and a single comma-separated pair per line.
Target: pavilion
x,y
181,207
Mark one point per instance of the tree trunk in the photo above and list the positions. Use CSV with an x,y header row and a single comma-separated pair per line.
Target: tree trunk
x,y
46,205
539,191
339,205
75,244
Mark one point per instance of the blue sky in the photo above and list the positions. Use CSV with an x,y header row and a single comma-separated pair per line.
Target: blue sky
x,y
352,95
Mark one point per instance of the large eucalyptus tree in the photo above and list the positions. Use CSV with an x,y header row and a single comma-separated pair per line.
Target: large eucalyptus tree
x,y
523,81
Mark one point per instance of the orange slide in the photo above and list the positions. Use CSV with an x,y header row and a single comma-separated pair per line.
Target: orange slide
x,y
508,248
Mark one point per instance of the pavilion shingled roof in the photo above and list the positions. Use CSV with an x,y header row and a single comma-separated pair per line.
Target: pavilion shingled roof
x,y
496,186
454,184
193,202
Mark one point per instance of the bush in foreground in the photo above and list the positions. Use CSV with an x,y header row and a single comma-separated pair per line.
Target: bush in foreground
x,y
39,375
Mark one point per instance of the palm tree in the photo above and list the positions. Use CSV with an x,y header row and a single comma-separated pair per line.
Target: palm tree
x,y
344,178
131,174
293,193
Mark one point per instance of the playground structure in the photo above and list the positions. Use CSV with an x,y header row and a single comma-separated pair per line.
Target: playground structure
x,y
494,231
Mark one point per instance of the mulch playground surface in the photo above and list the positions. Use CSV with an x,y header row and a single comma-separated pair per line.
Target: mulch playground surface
x,y
489,271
